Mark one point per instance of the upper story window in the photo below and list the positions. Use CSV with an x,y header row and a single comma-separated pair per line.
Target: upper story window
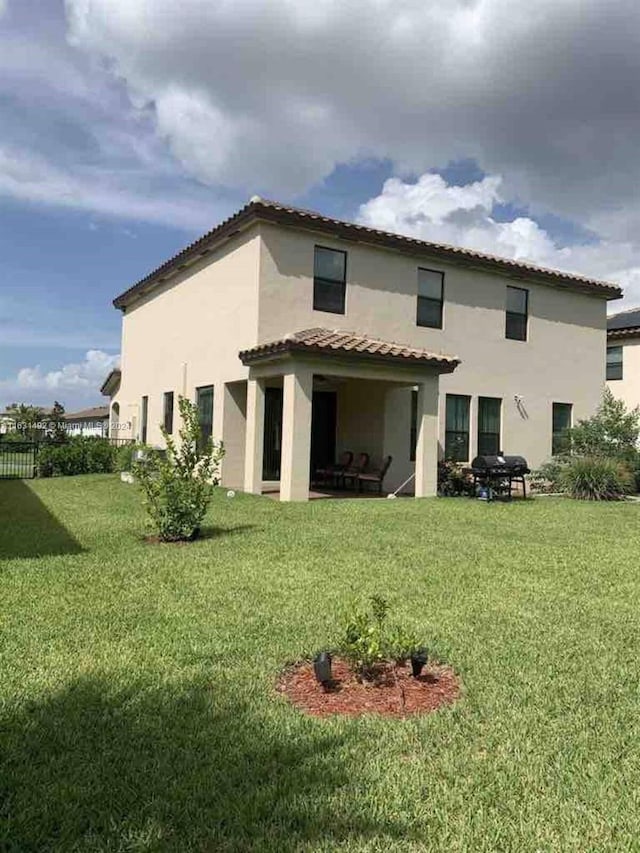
x,y
167,414
517,313
430,298
614,363
329,280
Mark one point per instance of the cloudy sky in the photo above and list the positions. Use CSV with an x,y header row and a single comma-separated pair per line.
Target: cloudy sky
x,y
129,127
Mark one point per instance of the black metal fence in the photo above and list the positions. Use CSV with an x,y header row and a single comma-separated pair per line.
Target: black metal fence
x,y
18,460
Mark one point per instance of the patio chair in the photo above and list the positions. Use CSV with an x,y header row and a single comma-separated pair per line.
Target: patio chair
x,y
375,477
350,475
332,473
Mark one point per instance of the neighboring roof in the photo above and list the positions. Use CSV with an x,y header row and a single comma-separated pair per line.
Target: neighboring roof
x,y
259,209
13,416
328,342
625,324
95,413
112,382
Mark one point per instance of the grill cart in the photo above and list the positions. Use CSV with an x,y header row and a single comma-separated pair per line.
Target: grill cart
x,y
497,474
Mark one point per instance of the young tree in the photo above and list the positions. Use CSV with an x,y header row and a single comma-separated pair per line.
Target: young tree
x,y
178,484
56,422
613,431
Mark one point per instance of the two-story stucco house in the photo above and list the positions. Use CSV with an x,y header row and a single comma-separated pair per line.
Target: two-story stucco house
x,y
301,336
623,356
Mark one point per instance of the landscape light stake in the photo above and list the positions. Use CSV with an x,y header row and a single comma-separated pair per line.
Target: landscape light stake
x,y
418,661
322,668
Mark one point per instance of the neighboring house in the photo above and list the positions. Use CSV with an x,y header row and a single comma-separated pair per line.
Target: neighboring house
x,y
7,422
300,336
623,356
94,421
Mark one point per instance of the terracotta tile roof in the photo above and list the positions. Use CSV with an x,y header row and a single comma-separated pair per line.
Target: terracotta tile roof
x,y
259,209
97,413
624,324
348,344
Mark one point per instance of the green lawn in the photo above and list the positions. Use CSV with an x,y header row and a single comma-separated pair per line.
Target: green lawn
x,y
137,710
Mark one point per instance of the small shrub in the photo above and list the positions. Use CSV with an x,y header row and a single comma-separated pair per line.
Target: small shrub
x,y
402,643
15,437
362,645
548,478
596,479
368,641
125,455
633,464
177,483
100,456
453,480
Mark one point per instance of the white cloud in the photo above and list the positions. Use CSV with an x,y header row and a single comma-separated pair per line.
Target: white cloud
x,y
70,137
270,96
103,190
74,383
463,216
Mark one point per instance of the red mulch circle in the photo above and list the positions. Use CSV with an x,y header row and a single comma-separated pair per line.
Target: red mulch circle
x,y
394,692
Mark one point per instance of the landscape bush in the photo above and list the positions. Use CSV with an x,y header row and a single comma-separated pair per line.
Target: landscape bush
x,y
76,455
596,478
125,455
14,437
368,640
453,480
548,478
613,431
177,484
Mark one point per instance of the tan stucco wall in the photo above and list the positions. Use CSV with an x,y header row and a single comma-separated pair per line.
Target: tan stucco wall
x,y
189,332
563,359
360,418
628,388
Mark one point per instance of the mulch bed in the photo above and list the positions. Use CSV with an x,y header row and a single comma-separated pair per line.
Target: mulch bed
x,y
394,692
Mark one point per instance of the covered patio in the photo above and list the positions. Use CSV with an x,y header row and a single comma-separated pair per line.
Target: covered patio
x,y
365,378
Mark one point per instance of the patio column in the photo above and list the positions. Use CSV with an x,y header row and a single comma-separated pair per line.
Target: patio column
x,y
296,435
254,438
427,439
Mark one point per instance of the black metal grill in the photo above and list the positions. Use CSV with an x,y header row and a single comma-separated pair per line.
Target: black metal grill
x,y
497,474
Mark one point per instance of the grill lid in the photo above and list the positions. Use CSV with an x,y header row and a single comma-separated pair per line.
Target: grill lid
x,y
503,464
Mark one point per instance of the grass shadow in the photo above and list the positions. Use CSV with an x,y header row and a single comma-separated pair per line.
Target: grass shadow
x,y
211,532
28,528
175,769
205,533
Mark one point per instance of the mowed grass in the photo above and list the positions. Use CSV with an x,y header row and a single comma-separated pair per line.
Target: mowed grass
x,y
137,701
